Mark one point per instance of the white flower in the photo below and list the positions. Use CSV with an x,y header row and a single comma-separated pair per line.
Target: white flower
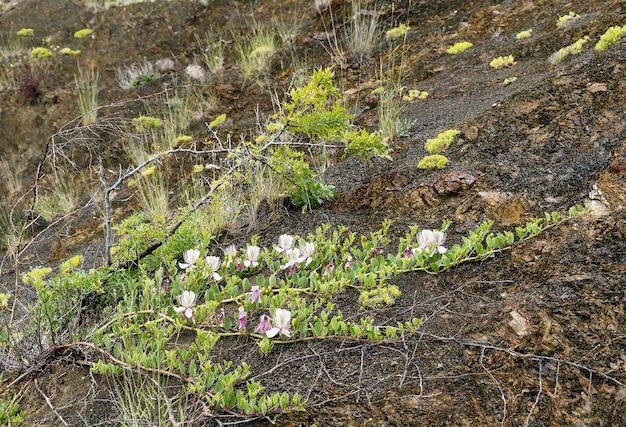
x,y
293,259
187,300
282,324
285,243
252,253
431,242
230,252
213,264
191,257
306,252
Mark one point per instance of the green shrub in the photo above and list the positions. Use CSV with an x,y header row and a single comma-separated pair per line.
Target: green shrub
x,y
366,145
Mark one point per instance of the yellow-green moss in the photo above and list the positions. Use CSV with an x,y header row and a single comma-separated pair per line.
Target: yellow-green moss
x,y
441,142
414,94
217,121
40,53
433,162
573,49
567,19
25,32
181,140
502,61
524,34
397,32
459,47
147,123
4,300
83,33
509,80
610,36
69,52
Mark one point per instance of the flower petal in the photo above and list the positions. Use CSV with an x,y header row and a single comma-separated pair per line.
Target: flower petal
x,y
272,332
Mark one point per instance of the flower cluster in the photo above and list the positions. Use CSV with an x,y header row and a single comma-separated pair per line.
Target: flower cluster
x,y
294,256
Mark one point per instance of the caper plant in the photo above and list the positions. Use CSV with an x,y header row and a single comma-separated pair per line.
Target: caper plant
x,y
277,295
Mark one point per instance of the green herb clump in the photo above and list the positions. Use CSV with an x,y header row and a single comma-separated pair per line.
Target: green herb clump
x,y
433,162
610,36
441,142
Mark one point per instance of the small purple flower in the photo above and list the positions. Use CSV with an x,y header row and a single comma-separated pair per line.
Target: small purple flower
x,y
220,318
243,320
329,269
264,324
165,285
409,252
255,293
349,263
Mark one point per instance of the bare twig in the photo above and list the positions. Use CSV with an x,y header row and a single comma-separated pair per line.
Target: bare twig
x,y
532,408
49,403
531,356
494,379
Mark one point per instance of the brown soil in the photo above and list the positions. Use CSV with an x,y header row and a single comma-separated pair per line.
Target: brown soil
x,y
539,144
